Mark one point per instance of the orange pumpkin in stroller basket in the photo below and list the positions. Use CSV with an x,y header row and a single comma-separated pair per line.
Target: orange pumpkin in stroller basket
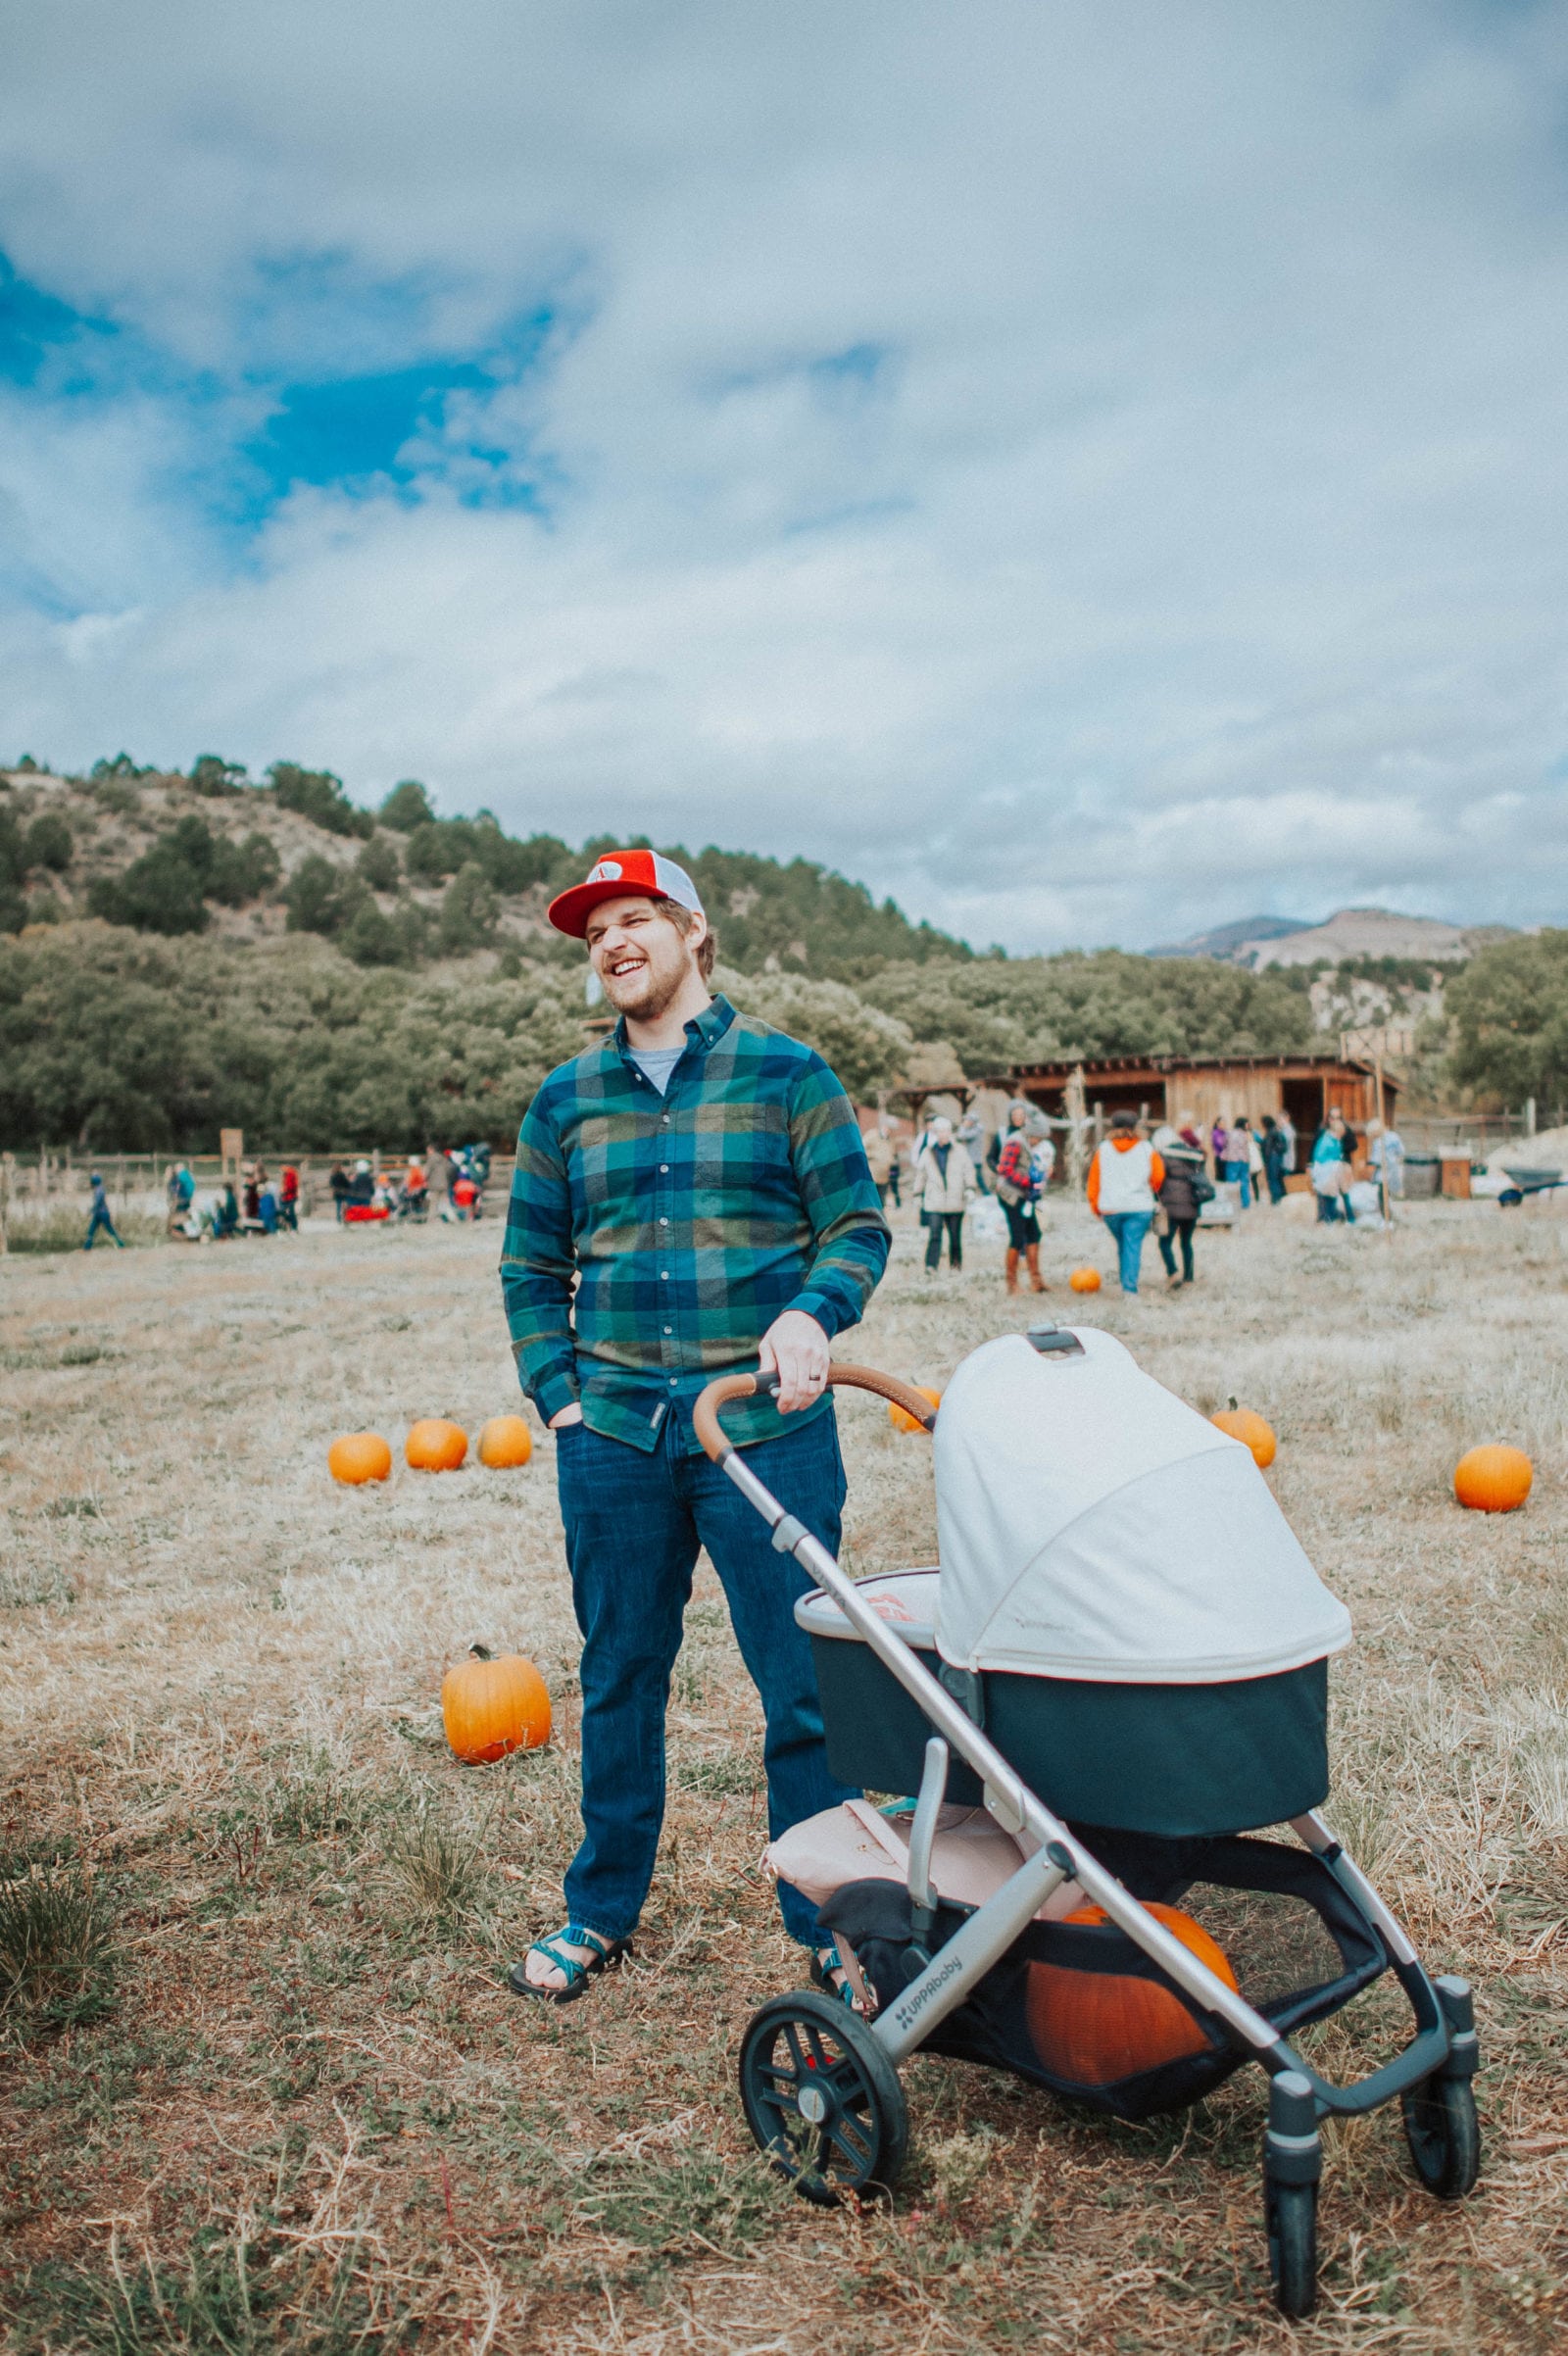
x,y
1096,2027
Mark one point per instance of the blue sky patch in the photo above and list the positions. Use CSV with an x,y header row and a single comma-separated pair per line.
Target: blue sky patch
x,y
359,426
36,329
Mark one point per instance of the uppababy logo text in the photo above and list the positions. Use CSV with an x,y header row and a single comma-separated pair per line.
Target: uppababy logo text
x,y
911,2008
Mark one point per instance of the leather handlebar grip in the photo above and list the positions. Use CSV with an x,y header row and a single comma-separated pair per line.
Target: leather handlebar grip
x,y
719,1393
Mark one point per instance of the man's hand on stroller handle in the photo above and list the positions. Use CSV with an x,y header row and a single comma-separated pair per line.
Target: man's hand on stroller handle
x,y
795,1348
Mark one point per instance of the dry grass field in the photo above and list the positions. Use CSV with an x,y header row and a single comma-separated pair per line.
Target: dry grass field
x,y
260,2084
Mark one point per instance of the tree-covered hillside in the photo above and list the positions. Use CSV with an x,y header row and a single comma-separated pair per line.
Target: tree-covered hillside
x,y
182,952
211,851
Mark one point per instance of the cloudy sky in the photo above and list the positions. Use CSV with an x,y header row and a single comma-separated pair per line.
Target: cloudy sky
x,y
1090,470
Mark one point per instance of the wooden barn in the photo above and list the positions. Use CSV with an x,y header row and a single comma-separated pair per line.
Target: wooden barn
x,y
1161,1088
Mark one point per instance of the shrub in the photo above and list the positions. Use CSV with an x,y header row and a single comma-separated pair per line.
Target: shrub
x,y
12,867
115,795
370,938
162,891
243,871
406,806
379,865
318,796
469,911
48,843
211,775
322,897
438,848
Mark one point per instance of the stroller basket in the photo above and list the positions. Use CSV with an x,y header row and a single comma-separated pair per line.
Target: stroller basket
x,y
989,1709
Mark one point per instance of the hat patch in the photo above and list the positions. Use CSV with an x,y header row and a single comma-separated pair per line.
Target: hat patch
x,y
608,870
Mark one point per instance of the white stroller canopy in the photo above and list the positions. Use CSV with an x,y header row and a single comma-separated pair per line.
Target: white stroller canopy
x,y
1093,1526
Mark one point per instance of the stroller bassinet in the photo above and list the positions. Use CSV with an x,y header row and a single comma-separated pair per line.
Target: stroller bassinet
x,y
1123,1660
1121,1605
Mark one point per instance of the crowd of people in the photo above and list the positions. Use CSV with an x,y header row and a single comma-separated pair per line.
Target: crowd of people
x,y
1136,1184
257,1202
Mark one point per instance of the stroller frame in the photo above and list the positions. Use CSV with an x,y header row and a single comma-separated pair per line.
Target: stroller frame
x,y
1432,2074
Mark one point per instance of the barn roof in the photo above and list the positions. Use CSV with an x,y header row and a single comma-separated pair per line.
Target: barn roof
x,y
1062,1067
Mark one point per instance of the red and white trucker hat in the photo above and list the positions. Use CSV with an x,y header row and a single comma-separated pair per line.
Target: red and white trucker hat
x,y
613,877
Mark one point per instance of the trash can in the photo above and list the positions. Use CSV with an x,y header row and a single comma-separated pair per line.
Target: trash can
x,y
1457,1176
1421,1176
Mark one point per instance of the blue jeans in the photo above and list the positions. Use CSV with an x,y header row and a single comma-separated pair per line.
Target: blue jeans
x,y
1240,1174
101,1218
1129,1227
634,1524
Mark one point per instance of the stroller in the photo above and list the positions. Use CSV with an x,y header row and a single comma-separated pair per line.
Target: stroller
x,y
1117,1679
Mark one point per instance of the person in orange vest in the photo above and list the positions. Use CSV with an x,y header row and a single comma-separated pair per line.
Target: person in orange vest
x,y
1124,1177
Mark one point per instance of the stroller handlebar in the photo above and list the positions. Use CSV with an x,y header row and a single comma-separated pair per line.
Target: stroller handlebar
x,y
719,1393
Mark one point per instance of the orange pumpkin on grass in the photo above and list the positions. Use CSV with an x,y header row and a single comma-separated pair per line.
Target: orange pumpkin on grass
x,y
1492,1480
900,1417
1095,2028
434,1445
1085,1280
1249,1427
358,1457
490,1708
504,1441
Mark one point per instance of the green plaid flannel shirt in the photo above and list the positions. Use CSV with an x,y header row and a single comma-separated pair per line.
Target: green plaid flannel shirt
x,y
686,1222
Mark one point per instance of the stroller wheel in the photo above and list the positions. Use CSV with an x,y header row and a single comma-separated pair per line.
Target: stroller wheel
x,y
1289,2214
1444,2134
822,2098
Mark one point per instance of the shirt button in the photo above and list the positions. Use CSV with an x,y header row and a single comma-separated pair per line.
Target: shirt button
x,y
670,1329
663,1222
663,1276
664,1169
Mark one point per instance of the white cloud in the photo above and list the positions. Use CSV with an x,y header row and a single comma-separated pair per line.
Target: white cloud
x,y
1185,535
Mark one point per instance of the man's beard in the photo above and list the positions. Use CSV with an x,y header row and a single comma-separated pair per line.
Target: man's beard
x,y
647,995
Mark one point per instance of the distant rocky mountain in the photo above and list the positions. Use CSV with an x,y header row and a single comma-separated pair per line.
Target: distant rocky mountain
x,y
1224,940
1260,941
1369,933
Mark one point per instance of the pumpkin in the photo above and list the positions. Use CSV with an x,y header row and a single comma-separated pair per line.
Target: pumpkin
x,y
435,1445
1252,1430
506,1440
358,1457
492,1706
1492,1480
1085,1280
1093,2028
900,1417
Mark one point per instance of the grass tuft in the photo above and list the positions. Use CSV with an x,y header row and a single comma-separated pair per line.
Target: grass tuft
x,y
439,1864
234,2295
56,1954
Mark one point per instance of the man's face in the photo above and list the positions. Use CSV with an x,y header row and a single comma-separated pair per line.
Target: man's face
x,y
642,961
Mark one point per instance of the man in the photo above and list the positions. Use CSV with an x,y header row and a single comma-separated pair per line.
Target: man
x,y
700,1178
98,1214
1124,1177
1272,1144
